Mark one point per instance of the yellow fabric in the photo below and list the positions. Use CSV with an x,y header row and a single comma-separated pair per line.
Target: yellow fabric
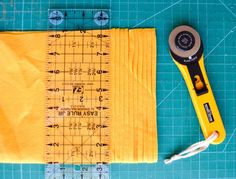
x,y
133,133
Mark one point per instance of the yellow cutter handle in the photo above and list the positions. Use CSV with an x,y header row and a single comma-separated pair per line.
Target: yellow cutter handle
x,y
204,104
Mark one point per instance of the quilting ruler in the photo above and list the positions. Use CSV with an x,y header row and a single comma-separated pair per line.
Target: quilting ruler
x,y
77,95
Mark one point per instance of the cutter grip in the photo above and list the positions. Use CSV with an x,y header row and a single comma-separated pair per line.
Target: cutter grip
x,y
203,100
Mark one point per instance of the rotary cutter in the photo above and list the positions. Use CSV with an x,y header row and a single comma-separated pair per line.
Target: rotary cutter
x,y
186,49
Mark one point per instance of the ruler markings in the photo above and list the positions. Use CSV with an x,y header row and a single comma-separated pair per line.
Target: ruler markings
x,y
82,48
104,43
54,131
100,131
77,95
68,62
73,102
64,80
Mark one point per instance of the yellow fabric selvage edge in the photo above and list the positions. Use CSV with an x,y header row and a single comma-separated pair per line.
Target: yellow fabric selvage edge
x,y
133,136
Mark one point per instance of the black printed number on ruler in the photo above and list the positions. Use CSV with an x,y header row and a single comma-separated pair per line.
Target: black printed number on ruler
x,y
77,98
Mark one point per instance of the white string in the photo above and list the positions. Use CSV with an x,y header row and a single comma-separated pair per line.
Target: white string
x,y
193,149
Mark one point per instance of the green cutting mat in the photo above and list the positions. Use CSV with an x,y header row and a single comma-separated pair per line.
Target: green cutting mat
x,y
177,123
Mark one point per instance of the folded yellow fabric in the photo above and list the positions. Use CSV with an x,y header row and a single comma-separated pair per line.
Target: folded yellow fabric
x,y
133,132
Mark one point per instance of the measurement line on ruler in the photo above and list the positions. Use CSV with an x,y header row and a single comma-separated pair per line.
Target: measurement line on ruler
x,y
73,102
98,53
77,45
54,137
91,93
69,32
80,81
78,62
100,94
82,62
77,117
83,135
82,35
64,79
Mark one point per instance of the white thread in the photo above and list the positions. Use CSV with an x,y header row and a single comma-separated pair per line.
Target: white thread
x,y
193,149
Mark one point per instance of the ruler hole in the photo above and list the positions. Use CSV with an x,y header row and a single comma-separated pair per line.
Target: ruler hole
x,y
56,17
101,18
77,168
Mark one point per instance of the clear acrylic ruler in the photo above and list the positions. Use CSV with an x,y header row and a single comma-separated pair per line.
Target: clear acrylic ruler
x,y
77,97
